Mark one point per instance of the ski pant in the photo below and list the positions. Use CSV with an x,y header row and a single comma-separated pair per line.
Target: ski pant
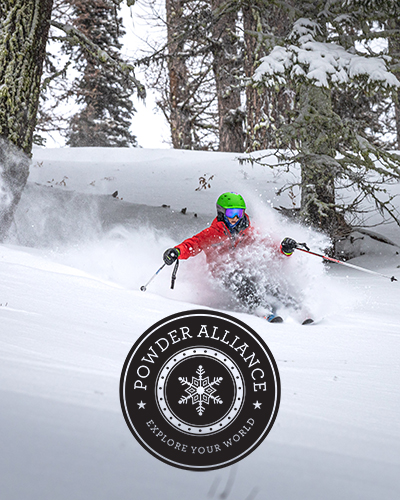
x,y
250,294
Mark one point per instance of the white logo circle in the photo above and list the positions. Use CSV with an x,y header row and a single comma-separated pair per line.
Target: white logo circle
x,y
200,389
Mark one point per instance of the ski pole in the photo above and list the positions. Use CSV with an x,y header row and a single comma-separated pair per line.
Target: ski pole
x,y
330,259
144,287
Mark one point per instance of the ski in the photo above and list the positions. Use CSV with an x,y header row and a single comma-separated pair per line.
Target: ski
x,y
274,318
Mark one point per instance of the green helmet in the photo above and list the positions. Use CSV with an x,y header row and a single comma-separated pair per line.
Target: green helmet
x,y
230,200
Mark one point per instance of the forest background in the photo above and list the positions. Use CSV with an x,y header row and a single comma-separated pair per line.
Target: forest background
x,y
313,82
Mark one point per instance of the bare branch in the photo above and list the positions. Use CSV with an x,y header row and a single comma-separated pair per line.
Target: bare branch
x,y
76,37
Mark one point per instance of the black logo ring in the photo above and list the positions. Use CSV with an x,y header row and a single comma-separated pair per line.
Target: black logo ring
x,y
200,390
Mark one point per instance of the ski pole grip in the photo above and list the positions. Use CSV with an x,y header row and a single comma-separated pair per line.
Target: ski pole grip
x,y
173,277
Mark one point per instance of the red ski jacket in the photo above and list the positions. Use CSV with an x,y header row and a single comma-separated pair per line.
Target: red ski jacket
x,y
216,241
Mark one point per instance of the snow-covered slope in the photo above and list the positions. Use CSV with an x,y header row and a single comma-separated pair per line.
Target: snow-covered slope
x,y
71,308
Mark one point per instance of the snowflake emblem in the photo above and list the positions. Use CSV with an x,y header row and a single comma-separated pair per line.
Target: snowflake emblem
x,y
200,390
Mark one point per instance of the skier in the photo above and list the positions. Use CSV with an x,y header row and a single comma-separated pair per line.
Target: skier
x,y
229,232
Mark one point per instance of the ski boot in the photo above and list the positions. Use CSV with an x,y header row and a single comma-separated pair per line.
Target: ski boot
x,y
272,318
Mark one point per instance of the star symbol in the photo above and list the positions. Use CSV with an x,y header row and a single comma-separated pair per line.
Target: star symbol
x,y
141,405
257,405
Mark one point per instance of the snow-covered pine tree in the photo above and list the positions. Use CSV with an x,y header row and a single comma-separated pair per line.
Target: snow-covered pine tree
x,y
203,34
329,152
104,94
381,19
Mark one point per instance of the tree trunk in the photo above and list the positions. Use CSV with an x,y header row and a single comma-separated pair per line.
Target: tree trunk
x,y
24,27
318,128
266,110
180,117
255,132
226,67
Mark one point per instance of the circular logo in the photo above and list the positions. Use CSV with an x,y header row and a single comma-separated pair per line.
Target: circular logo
x,y
200,390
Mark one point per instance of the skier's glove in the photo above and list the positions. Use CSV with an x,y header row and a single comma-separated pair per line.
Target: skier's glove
x,y
288,246
171,255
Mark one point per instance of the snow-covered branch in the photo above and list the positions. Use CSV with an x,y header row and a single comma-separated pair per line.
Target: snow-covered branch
x,y
322,63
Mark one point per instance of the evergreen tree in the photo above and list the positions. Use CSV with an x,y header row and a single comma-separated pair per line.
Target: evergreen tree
x,y
202,34
103,94
330,152
381,20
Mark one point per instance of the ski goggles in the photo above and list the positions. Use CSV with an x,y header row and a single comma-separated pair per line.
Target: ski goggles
x,y
233,212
